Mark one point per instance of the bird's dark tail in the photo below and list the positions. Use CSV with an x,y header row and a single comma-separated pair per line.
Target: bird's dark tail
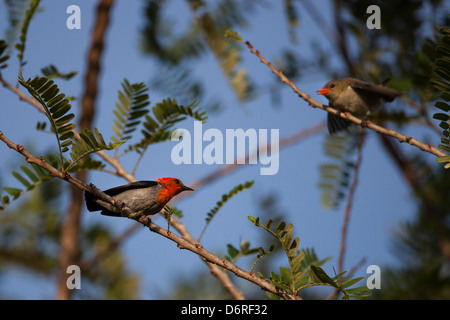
x,y
110,213
93,205
336,123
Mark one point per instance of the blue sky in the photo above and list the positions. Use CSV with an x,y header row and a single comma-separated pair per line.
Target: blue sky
x,y
382,199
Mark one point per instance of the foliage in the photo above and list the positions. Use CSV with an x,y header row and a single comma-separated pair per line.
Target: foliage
x,y
175,52
16,10
52,72
89,143
422,241
244,250
165,115
304,268
132,104
20,46
225,197
3,56
30,240
377,54
35,176
335,175
292,18
169,211
56,108
440,81
132,111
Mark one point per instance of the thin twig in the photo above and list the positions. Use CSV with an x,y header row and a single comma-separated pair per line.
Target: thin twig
x,y
21,94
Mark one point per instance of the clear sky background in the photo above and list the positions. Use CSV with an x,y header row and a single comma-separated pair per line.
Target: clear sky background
x,y
381,202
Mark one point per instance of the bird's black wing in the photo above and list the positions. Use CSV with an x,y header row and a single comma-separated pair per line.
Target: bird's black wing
x,y
92,204
133,185
386,93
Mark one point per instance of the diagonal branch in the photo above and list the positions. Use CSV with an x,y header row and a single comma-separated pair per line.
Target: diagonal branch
x,y
22,96
388,132
181,242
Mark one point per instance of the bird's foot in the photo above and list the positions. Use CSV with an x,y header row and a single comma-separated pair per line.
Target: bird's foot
x,y
365,122
141,217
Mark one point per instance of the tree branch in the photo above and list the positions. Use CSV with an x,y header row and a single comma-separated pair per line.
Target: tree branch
x,y
182,243
21,94
388,132
121,172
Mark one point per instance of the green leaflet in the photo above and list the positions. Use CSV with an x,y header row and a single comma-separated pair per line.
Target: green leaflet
x,y
232,35
23,32
441,82
31,175
3,58
169,211
225,198
131,107
304,266
158,126
335,175
51,72
56,107
244,250
89,143
165,115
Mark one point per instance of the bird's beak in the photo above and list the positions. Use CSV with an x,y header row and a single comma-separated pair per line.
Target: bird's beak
x,y
323,91
185,188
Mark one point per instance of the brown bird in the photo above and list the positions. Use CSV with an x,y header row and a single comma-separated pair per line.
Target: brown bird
x,y
358,97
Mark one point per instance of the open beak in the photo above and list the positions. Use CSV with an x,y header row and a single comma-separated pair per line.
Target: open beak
x,y
323,91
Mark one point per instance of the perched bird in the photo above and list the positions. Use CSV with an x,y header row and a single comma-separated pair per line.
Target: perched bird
x,y
355,96
148,197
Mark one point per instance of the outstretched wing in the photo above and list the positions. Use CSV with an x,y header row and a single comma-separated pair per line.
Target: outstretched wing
x,y
387,94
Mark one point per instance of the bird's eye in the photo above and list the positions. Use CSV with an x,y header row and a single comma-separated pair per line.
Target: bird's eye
x,y
332,85
176,181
